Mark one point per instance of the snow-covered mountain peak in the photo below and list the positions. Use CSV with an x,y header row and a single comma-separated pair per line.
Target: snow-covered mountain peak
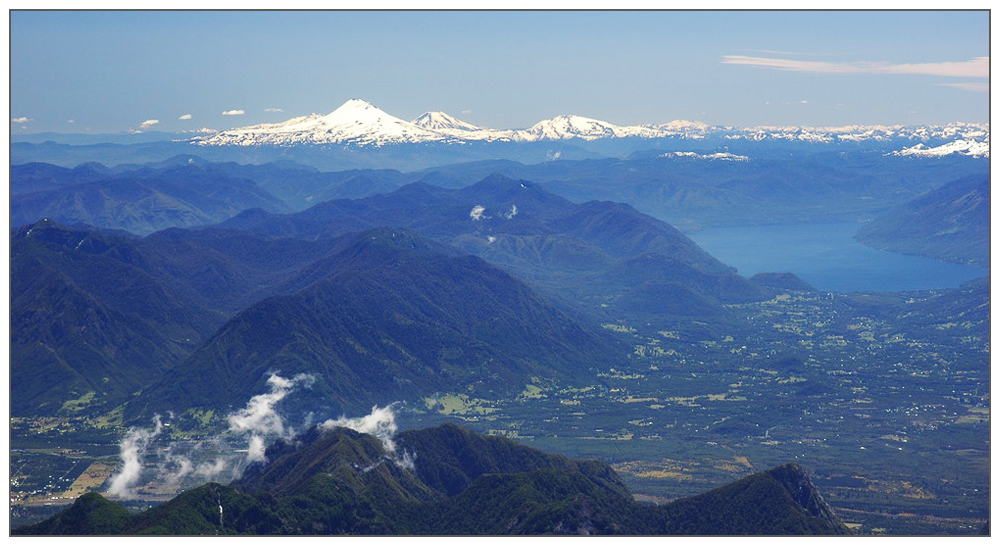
x,y
572,126
440,121
359,112
356,122
357,104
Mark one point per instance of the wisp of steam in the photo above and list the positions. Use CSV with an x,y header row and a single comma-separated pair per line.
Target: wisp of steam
x,y
260,418
133,447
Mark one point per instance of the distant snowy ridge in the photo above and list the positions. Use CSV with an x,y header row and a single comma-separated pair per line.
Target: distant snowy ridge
x,y
360,123
723,156
861,133
961,147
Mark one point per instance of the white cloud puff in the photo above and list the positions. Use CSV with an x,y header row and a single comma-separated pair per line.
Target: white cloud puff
x,y
148,123
185,117
273,110
233,113
21,119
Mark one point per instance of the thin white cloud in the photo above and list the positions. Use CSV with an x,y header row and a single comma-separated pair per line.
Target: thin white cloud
x,y
204,130
233,113
969,86
274,110
148,123
21,119
467,111
796,53
185,117
974,68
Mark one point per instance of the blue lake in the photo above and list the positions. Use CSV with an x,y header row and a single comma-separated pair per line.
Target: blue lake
x,y
827,257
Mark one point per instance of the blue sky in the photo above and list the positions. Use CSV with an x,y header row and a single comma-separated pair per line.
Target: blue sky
x,y
110,72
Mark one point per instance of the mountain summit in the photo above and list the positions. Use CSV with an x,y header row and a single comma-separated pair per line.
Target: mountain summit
x,y
439,121
355,122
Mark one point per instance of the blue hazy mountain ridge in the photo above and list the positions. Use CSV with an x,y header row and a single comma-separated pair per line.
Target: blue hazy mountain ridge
x,y
338,481
148,201
34,177
950,223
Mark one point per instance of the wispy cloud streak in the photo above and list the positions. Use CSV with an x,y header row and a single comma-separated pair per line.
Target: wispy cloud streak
x,y
969,86
974,68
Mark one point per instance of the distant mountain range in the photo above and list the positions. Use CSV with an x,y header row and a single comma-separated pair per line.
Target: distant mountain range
x,y
448,480
360,123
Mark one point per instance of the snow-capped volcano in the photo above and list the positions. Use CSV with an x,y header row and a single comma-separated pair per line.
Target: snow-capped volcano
x,y
439,121
356,121
454,128
563,127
